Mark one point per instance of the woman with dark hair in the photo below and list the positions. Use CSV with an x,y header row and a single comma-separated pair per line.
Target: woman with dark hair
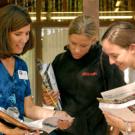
x,y
119,44
15,93
82,72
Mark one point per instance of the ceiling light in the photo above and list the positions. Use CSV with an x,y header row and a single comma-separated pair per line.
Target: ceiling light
x,y
115,17
118,3
116,9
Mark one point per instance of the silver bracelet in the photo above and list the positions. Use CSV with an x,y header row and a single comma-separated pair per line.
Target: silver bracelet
x,y
128,127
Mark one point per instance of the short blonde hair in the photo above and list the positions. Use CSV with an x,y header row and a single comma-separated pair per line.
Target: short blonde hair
x,y
84,25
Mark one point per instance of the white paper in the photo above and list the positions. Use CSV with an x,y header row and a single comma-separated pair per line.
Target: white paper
x,y
49,80
120,102
120,92
47,125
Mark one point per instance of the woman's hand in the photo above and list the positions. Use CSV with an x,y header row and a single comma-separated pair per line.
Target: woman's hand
x,y
18,131
114,121
65,120
64,124
50,96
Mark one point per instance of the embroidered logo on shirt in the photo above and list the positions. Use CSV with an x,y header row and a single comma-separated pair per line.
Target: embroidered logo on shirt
x,y
22,74
88,74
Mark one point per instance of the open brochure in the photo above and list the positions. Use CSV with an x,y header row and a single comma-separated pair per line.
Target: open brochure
x,y
8,119
49,81
48,125
119,102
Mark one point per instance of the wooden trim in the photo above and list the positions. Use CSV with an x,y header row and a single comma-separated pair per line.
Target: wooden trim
x,y
50,23
105,23
38,54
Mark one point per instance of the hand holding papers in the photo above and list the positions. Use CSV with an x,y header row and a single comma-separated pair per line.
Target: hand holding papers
x,y
48,125
120,102
50,97
52,123
49,81
65,120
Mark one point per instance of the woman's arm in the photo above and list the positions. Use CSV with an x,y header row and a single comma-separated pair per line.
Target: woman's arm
x,y
36,112
12,131
114,121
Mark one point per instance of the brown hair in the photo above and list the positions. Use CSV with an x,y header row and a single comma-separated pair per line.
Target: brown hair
x,y
121,34
12,18
83,25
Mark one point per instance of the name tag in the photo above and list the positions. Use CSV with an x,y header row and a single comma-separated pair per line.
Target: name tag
x,y
22,74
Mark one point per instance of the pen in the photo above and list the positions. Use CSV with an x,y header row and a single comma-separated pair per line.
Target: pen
x,y
54,103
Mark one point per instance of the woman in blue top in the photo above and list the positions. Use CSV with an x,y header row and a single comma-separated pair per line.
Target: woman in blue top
x,y
15,93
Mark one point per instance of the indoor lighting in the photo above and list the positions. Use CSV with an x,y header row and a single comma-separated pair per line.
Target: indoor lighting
x,y
72,17
116,9
118,3
66,16
62,17
115,17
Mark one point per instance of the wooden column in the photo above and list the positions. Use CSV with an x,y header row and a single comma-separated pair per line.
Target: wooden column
x,y
91,8
38,52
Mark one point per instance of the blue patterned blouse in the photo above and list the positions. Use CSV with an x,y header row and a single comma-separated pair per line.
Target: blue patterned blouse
x,y
13,89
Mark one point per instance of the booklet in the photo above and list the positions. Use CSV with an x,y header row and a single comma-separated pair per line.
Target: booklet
x,y
48,125
11,121
119,102
49,80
